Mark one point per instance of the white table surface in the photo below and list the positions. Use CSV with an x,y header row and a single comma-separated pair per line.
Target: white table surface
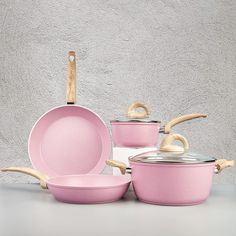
x,y
25,209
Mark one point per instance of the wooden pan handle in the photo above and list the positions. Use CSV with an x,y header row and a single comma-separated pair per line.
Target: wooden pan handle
x,y
71,79
41,177
122,166
134,114
166,144
181,119
222,164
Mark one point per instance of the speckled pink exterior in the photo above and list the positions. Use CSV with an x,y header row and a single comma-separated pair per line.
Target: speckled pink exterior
x,y
172,184
135,134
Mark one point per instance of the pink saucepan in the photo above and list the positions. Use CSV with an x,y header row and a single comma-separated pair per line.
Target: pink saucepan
x,y
82,189
172,176
69,139
138,131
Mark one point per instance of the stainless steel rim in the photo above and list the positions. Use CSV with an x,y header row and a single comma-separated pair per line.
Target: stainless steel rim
x,y
155,160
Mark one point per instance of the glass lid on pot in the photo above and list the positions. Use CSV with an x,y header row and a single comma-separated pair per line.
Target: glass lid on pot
x,y
134,115
175,157
172,154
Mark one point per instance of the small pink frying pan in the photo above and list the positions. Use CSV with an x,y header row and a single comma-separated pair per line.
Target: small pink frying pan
x,y
69,139
82,189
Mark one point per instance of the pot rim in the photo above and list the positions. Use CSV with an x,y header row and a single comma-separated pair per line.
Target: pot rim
x,y
176,164
171,162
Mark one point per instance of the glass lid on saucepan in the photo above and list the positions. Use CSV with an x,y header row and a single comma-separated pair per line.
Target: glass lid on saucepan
x,y
172,154
135,115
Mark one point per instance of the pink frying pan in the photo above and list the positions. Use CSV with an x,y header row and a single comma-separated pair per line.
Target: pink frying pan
x,y
69,139
81,189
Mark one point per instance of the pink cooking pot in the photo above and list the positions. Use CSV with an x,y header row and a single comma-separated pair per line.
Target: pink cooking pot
x,y
172,176
138,131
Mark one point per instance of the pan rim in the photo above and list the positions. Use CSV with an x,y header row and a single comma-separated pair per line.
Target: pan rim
x,y
97,168
124,178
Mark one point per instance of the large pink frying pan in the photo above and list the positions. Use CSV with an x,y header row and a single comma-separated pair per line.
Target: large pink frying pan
x,y
82,189
69,139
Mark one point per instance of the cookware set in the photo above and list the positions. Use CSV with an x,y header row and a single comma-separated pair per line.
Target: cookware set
x,y
70,145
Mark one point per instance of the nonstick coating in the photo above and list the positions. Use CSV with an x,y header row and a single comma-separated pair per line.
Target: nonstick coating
x,y
69,140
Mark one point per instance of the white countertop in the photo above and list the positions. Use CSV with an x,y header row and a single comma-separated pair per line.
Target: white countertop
x,y
25,209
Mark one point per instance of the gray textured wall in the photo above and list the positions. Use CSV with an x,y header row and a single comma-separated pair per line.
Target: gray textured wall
x,y
177,56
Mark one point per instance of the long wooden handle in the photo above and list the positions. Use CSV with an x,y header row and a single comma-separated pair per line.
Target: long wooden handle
x,y
222,164
181,119
166,144
122,166
71,79
41,177
134,114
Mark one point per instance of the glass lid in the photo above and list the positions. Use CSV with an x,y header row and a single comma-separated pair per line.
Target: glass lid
x,y
171,154
134,114
171,157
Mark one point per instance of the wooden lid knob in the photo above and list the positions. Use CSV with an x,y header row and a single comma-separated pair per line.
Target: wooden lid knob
x,y
166,144
132,112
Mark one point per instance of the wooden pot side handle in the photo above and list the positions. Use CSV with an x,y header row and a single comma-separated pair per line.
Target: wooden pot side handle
x,y
166,144
121,165
71,79
221,164
132,112
181,119
41,177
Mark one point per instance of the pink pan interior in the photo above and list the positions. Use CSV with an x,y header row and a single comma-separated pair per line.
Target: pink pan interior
x,y
88,189
88,181
69,140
